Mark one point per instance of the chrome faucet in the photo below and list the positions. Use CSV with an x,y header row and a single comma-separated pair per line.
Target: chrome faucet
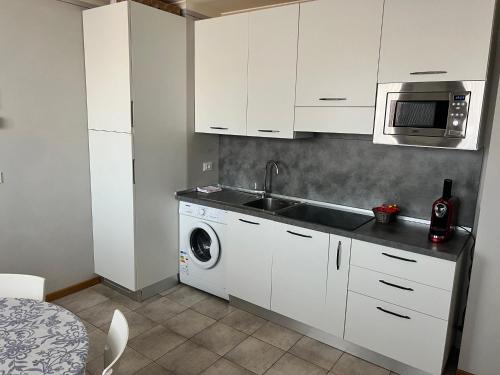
x,y
268,179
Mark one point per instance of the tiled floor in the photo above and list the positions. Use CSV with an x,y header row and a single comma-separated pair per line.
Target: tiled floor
x,y
184,331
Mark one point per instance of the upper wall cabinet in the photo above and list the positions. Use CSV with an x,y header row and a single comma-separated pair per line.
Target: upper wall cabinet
x,y
272,70
337,66
428,40
107,69
221,63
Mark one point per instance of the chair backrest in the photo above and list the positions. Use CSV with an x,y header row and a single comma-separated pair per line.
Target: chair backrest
x,y
116,342
22,286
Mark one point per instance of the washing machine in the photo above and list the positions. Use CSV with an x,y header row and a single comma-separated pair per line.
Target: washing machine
x,y
202,255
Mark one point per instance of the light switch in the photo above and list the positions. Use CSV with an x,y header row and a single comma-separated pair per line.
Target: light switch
x,y
207,166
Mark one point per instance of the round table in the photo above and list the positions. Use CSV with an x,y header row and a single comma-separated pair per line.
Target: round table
x,y
40,338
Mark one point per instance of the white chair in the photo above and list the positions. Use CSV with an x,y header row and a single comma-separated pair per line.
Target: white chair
x,y
116,342
22,286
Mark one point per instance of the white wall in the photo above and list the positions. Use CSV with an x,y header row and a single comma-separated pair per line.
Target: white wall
x,y
45,218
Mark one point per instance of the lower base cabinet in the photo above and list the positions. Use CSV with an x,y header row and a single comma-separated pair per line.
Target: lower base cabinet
x,y
299,273
250,254
404,335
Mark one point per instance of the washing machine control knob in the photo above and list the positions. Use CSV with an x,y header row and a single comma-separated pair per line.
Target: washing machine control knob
x,y
202,212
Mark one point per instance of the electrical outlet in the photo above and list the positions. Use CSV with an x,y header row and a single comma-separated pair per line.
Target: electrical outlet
x,y
208,166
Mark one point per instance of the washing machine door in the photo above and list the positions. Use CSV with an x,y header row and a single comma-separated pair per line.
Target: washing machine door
x,y
204,246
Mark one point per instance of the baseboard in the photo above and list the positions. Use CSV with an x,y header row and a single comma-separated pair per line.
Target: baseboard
x,y
72,289
462,372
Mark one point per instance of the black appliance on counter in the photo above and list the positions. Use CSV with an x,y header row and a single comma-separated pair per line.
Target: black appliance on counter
x,y
444,215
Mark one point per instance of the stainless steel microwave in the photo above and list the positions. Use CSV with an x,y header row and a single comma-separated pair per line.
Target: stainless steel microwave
x,y
430,114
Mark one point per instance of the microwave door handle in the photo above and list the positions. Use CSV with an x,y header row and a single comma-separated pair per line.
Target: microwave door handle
x,y
428,72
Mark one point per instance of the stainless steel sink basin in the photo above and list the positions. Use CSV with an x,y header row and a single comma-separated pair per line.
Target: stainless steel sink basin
x,y
271,204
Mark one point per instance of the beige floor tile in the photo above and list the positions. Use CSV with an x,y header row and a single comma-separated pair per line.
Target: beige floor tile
x,y
276,335
104,290
153,369
219,338
81,300
156,342
137,324
213,307
243,321
97,340
133,304
130,362
225,367
187,296
255,355
188,323
188,359
161,310
100,315
89,327
292,365
316,352
350,365
171,290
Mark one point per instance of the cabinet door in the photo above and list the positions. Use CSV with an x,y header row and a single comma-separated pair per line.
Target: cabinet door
x,y
272,71
249,255
111,177
427,40
221,63
338,52
336,293
299,274
107,67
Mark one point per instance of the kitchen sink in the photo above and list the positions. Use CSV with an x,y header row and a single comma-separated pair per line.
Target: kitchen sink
x,y
271,204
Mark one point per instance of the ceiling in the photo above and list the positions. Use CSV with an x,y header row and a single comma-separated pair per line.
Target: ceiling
x,y
209,8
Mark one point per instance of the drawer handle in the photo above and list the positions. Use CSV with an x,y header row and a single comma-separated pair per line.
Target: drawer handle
x,y
332,99
298,234
399,258
218,128
249,222
395,285
428,72
268,131
393,313
338,255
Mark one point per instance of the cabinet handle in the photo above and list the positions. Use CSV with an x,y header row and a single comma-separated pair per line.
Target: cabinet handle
x,y
249,222
338,255
428,72
268,131
218,128
399,258
332,99
395,285
393,313
298,234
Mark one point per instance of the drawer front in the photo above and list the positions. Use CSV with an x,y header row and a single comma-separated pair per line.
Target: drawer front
x,y
401,292
410,266
409,337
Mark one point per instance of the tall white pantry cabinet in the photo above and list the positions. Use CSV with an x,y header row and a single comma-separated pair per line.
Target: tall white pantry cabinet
x,y
135,63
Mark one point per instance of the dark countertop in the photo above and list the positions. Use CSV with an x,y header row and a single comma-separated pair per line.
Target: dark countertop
x,y
404,235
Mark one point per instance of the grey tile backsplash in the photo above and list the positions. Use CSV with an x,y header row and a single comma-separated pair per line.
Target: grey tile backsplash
x,y
352,171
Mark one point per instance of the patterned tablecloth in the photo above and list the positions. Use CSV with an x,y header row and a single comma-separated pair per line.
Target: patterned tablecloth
x,y
40,338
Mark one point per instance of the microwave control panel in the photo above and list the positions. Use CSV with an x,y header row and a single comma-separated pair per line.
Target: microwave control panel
x,y
457,115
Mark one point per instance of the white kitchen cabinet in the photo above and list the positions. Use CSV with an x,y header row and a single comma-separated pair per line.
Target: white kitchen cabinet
x,y
107,68
336,292
427,40
338,61
133,179
250,242
111,165
272,71
396,332
221,77
300,264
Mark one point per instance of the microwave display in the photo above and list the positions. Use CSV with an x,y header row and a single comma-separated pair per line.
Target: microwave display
x,y
421,114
